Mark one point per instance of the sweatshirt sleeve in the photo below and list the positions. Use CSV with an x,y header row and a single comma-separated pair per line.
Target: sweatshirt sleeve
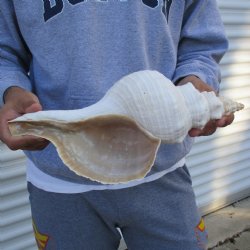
x,y
14,55
202,43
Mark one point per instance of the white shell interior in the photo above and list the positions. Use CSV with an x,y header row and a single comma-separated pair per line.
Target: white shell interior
x,y
108,149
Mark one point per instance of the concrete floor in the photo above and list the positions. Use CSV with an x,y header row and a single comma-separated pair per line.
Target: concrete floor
x,y
239,242
229,228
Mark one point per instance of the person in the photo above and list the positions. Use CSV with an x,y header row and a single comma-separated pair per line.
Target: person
x,y
65,54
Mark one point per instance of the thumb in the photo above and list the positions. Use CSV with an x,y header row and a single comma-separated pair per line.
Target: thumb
x,y
33,107
22,101
28,103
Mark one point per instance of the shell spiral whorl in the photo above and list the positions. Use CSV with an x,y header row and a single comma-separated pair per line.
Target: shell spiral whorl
x,y
167,111
153,101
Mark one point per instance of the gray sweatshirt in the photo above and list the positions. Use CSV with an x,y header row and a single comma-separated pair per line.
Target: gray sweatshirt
x,y
70,52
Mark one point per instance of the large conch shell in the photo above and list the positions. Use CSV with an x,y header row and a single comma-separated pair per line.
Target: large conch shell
x,y
116,139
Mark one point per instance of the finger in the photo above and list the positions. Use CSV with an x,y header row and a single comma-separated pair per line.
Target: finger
x,y
225,120
36,145
209,129
14,142
195,132
25,102
21,142
197,83
34,107
5,134
27,143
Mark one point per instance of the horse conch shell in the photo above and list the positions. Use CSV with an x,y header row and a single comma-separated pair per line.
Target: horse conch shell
x,y
116,139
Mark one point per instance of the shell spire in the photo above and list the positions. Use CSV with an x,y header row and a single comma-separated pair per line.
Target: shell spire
x,y
230,106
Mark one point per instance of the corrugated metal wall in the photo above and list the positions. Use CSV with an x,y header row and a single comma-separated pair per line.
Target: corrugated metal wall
x,y
219,164
15,223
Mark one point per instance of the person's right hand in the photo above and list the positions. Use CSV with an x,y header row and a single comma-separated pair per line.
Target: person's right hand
x,y
18,102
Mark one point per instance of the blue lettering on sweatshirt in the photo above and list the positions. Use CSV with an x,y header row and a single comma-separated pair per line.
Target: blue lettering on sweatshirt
x,y
166,7
151,3
50,11
54,7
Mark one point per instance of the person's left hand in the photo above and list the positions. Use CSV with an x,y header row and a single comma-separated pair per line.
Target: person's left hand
x,y
212,125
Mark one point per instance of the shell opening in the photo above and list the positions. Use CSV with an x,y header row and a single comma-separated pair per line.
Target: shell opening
x,y
108,149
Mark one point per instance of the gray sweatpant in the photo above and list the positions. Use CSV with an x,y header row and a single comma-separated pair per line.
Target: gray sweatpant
x,y
153,216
